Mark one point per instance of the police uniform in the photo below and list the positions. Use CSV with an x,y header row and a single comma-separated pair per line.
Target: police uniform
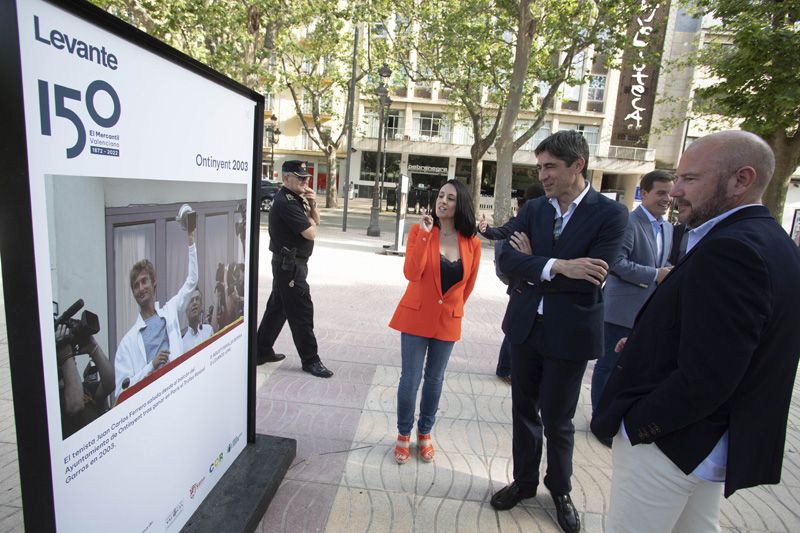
x,y
290,298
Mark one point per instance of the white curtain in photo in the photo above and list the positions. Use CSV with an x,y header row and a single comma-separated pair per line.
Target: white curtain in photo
x,y
131,244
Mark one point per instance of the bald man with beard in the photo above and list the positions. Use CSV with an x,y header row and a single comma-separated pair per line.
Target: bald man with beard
x,y
700,397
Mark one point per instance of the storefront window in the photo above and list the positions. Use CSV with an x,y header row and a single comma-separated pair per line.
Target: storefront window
x,y
369,163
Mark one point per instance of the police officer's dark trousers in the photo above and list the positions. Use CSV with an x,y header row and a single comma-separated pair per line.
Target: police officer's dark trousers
x,y
290,300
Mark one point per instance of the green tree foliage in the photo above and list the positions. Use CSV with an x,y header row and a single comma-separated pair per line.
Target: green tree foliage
x,y
757,72
465,46
227,35
304,46
550,35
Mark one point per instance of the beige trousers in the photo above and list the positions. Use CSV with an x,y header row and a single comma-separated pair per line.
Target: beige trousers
x,y
649,494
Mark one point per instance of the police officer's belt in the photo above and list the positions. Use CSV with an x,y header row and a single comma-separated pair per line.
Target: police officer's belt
x,y
276,258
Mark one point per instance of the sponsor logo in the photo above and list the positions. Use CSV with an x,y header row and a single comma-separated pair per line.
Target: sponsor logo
x,y
217,461
173,514
194,487
233,442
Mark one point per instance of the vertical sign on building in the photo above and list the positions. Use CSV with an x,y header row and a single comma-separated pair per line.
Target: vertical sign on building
x,y
639,78
127,240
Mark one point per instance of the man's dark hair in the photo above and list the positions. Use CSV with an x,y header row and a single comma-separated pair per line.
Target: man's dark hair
x,y
568,146
464,218
647,181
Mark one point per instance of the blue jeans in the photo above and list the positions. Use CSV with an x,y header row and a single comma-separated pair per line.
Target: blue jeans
x,y
606,364
413,350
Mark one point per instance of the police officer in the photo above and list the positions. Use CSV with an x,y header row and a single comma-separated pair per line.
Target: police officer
x,y
293,221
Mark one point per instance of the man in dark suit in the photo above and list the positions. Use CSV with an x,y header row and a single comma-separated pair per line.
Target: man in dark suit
x,y
557,258
700,396
641,264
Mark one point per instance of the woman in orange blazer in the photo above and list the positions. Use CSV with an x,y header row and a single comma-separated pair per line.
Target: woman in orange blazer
x,y
441,265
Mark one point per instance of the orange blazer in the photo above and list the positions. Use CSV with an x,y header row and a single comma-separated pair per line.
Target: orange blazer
x,y
424,310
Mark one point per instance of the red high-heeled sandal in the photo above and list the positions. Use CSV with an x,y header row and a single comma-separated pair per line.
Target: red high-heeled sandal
x,y
402,452
425,447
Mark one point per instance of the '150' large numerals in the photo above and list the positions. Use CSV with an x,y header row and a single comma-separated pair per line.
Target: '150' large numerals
x,y
61,94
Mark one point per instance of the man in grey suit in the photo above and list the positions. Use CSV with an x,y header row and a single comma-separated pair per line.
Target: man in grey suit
x,y
642,263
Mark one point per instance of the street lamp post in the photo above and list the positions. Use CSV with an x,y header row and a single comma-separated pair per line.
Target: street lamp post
x,y
273,134
386,104
382,92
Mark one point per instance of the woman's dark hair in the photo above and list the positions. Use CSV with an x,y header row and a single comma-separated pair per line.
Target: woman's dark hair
x,y
464,218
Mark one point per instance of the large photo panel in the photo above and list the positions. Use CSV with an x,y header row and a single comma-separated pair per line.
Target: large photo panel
x,y
141,167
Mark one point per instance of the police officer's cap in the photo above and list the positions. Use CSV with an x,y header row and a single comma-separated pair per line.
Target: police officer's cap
x,y
296,167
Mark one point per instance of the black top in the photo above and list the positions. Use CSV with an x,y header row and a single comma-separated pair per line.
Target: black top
x,y
452,272
287,219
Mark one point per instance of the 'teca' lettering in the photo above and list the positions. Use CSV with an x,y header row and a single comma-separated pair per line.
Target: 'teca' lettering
x,y
74,46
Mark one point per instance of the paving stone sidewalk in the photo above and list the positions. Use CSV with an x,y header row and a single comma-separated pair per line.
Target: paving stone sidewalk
x,y
344,477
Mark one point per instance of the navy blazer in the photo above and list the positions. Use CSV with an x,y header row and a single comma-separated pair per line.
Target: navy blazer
x,y
633,272
715,348
573,309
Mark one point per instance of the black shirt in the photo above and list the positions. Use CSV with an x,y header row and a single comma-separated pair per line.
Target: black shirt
x,y
452,272
287,219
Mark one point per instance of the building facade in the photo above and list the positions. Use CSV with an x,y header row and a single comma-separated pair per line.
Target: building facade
x,y
621,113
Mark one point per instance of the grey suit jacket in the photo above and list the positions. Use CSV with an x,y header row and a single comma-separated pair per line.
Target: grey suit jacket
x,y
633,272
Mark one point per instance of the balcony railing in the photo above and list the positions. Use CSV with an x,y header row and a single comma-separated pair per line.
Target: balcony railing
x,y
622,152
442,137
391,133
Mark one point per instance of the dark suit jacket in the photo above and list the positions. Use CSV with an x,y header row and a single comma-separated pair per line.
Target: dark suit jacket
x,y
715,348
573,309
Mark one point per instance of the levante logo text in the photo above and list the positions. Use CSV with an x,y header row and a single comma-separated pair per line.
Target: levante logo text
x,y
73,45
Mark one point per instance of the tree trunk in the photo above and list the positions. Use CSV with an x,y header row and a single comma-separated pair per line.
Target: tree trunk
x,y
502,182
787,158
476,171
331,198
505,140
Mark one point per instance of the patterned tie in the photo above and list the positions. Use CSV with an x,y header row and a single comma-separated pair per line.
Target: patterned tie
x,y
557,228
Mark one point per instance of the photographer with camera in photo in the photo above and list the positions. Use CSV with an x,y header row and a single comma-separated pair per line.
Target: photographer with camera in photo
x,y
155,338
83,399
